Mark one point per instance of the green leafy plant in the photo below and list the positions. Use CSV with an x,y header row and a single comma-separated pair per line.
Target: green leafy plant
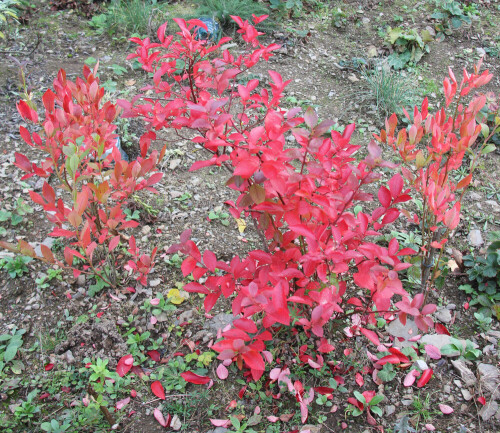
x,y
467,351
485,272
27,410
290,7
9,345
21,209
54,427
7,12
16,266
52,274
450,15
219,215
338,17
367,401
408,45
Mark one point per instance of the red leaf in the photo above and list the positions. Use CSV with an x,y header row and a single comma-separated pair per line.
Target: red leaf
x,y
441,329
49,366
161,419
254,360
210,260
384,196
124,365
426,376
154,355
481,400
372,336
114,242
158,390
191,377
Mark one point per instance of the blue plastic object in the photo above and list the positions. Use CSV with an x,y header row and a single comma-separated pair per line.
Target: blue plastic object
x,y
119,147
213,32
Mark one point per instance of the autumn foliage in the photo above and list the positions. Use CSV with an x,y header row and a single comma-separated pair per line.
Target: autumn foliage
x,y
318,207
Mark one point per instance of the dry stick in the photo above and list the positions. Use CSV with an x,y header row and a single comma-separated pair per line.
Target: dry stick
x,y
104,409
20,52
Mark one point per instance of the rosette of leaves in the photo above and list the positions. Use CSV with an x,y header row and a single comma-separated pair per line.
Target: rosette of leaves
x,y
408,45
449,16
485,271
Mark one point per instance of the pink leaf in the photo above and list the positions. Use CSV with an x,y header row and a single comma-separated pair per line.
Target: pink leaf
x,y
410,378
154,301
160,418
120,404
430,427
445,408
222,372
220,422
432,351
272,418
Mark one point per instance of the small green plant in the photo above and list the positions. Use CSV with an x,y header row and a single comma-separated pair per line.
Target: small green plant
x,y
485,272
27,410
52,274
132,214
339,18
9,345
54,427
367,401
408,46
390,91
422,411
291,7
219,215
468,351
483,321
16,266
21,209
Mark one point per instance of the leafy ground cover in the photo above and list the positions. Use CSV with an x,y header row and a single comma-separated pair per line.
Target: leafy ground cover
x,y
81,353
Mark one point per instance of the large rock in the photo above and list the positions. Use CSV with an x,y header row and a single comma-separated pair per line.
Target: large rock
x,y
403,332
489,379
466,374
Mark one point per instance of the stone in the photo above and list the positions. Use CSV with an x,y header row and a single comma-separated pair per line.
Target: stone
x,y
466,374
80,281
48,242
443,315
174,163
420,363
310,428
70,359
186,316
155,282
352,78
466,394
489,379
475,238
403,332
220,321
390,409
475,196
493,204
488,410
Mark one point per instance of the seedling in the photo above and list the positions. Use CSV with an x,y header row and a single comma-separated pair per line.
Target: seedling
x,y
15,267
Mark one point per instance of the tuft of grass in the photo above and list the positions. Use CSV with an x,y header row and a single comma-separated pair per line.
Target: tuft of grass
x,y
223,9
126,17
390,91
